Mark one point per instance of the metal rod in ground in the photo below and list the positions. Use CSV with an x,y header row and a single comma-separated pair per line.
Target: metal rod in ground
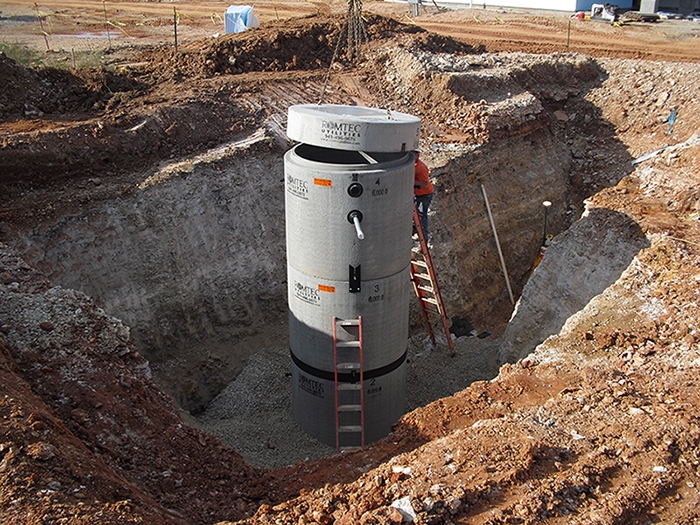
x,y
498,245
546,205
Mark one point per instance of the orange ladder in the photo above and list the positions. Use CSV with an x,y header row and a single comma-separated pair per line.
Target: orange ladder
x,y
425,284
349,395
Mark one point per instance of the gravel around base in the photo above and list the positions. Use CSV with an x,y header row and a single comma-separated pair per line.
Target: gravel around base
x,y
253,414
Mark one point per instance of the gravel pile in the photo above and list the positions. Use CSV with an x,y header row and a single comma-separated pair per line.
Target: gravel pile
x,y
253,414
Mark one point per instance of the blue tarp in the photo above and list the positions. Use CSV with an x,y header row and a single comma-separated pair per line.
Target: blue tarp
x,y
238,18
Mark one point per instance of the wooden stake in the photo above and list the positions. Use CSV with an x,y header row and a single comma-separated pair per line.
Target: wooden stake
x,y
41,24
498,245
175,26
109,36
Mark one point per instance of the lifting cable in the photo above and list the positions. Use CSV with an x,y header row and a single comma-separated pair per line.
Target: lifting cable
x,y
354,33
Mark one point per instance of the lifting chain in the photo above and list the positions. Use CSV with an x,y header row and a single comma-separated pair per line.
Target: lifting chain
x,y
354,32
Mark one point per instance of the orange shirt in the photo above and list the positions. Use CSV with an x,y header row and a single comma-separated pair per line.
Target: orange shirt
x,y
422,178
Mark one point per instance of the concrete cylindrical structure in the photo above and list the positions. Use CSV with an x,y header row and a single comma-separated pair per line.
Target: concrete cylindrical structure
x,y
349,216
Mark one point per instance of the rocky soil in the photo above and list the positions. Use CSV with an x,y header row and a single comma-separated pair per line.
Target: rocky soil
x,y
579,407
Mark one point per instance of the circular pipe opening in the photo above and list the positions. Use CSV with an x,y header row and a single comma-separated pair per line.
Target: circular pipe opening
x,y
337,156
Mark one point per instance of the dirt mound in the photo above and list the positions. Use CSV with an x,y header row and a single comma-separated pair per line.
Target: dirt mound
x,y
292,45
433,43
29,93
303,43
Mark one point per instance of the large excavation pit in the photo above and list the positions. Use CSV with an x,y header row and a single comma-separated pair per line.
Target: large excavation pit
x,y
193,259
143,277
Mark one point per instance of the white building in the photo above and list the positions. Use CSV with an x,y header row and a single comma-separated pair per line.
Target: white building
x,y
672,6
647,6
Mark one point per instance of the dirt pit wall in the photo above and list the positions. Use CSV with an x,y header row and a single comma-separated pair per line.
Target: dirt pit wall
x,y
574,271
193,261
520,129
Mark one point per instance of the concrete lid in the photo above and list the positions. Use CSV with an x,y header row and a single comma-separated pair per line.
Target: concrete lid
x,y
354,128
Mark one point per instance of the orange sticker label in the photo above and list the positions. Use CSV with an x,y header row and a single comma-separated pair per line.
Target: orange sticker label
x,y
323,182
324,288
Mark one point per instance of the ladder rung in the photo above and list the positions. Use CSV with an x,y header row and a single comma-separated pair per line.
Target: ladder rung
x,y
350,428
426,288
429,306
424,276
349,322
348,366
347,344
349,408
419,263
429,300
349,386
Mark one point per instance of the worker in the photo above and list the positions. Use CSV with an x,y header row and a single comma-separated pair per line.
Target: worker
x,y
422,190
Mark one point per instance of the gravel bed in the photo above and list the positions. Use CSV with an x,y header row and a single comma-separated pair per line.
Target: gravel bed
x,y
253,414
